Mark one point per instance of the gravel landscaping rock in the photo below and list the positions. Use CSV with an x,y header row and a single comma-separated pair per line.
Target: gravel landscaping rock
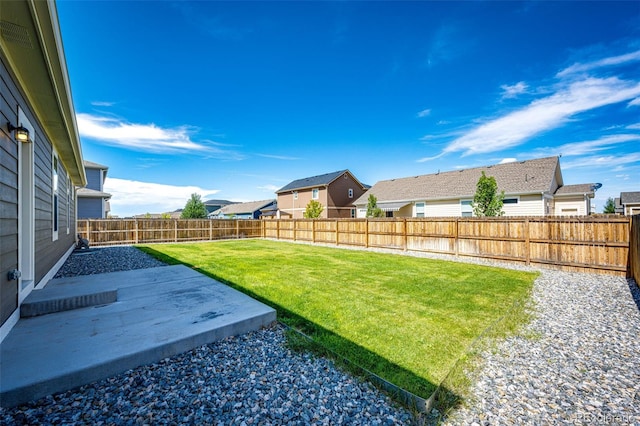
x,y
578,362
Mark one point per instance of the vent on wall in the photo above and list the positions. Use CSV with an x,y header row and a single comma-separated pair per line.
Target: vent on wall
x,y
13,33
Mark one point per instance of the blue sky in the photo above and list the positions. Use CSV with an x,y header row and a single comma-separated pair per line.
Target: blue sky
x,y
234,100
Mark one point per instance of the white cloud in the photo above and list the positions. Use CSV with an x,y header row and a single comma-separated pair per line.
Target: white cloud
x,y
513,90
635,126
508,160
144,137
424,113
614,60
589,147
544,114
278,157
102,103
608,161
634,102
268,188
130,197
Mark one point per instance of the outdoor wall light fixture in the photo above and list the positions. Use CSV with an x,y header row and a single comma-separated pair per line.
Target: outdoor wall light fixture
x,y
21,133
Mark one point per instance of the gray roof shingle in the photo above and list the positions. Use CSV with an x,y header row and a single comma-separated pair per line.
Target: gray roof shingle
x,y
312,181
249,207
91,165
581,188
630,197
521,177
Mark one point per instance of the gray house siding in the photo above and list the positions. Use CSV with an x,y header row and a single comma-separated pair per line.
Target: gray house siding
x,y
47,250
90,208
94,181
8,199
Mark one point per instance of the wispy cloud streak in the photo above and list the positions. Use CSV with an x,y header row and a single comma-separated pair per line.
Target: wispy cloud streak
x,y
145,137
611,61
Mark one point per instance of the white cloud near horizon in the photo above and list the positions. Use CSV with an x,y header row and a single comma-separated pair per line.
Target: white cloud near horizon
x,y
268,188
144,137
130,197
512,91
508,160
610,61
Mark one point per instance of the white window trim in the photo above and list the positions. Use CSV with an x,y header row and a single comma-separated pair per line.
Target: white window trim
x,y
55,195
516,197
350,192
315,193
295,195
424,208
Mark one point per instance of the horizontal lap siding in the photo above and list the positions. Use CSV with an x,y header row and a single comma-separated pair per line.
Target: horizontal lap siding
x,y
8,200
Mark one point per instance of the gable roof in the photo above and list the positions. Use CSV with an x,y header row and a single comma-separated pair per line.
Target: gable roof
x,y
218,202
630,197
581,188
249,207
316,181
92,193
91,165
523,177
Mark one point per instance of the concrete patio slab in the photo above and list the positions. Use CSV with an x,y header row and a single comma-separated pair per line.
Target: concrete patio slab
x,y
159,312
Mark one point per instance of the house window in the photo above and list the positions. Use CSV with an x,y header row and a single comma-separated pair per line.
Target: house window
x,y
350,193
314,193
295,195
419,209
466,208
54,189
389,214
510,201
353,213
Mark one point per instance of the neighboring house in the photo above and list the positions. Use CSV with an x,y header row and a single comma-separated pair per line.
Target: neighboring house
x,y
93,202
532,188
39,174
250,210
214,205
618,206
335,191
270,212
629,203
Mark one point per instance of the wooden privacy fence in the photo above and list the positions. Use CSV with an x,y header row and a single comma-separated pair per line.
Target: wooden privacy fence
x,y
103,232
594,244
609,244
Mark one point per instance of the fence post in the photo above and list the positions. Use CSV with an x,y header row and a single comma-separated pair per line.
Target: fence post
x,y
175,230
210,229
237,228
295,223
404,234
527,242
278,229
337,233
366,233
456,238
313,230
137,238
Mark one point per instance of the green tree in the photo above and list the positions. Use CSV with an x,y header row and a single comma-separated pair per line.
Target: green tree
x,y
194,209
313,210
372,207
165,215
487,201
609,206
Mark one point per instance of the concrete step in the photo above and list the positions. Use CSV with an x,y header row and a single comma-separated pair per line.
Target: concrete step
x,y
160,312
51,300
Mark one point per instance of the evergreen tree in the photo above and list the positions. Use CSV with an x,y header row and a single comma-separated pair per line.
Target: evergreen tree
x,y
487,202
610,206
372,207
194,209
313,210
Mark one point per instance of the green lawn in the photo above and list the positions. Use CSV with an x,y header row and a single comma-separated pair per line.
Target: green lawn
x,y
406,319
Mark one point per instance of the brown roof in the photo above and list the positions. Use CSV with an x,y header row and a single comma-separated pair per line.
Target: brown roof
x,y
523,177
